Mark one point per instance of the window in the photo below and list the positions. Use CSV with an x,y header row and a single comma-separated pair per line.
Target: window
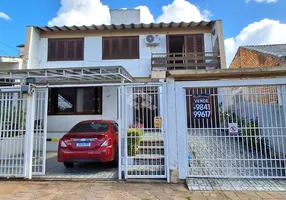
x,y
115,127
65,49
72,101
120,48
90,127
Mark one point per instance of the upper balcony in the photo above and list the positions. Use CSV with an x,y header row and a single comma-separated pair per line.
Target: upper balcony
x,y
185,61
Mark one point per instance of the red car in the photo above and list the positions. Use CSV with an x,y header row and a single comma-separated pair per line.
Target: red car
x,y
89,141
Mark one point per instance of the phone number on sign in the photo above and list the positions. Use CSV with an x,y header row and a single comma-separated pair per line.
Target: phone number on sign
x,y
202,107
202,113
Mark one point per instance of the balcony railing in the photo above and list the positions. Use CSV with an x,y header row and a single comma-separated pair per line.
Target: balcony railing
x,y
184,61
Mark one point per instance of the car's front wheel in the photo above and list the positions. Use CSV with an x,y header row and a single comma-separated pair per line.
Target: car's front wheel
x,y
68,164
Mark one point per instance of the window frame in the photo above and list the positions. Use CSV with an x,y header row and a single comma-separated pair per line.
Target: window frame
x,y
111,40
98,102
66,50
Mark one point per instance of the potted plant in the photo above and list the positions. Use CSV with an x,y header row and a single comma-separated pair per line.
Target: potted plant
x,y
134,137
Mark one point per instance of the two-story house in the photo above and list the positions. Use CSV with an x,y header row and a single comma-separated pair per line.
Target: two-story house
x,y
137,48
85,67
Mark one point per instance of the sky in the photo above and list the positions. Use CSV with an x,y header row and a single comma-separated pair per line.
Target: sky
x,y
245,22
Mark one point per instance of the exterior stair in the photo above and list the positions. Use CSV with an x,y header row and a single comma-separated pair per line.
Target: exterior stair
x,y
150,159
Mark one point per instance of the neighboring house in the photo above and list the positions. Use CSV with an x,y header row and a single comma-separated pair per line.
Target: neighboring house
x,y
11,63
255,56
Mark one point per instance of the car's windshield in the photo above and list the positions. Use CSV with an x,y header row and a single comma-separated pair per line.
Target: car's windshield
x,y
90,127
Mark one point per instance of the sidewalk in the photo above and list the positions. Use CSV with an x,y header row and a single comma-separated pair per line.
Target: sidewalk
x,y
13,190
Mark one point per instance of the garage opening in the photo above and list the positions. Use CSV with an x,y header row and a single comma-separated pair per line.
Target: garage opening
x,y
82,133
52,118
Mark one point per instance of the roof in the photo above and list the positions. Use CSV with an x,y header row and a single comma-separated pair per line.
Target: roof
x,y
75,74
126,26
278,50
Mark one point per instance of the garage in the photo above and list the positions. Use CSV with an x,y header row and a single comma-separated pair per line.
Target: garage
x,y
64,107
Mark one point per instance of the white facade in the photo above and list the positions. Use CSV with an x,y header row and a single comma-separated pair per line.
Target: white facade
x,y
10,63
93,55
58,125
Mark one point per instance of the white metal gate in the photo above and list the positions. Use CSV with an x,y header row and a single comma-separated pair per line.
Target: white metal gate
x,y
13,137
40,132
235,129
142,142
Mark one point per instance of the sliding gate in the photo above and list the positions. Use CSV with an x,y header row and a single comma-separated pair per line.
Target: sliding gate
x,y
234,129
142,143
23,120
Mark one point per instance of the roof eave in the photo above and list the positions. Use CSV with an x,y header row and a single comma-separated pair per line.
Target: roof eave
x,y
128,26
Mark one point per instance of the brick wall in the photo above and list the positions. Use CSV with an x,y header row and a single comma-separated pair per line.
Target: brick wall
x,y
245,58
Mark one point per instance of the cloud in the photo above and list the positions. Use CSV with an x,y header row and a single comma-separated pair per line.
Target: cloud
x,y
265,31
5,16
145,15
182,10
263,1
87,12
81,12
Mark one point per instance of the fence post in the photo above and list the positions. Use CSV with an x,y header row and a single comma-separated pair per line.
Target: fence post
x,y
30,118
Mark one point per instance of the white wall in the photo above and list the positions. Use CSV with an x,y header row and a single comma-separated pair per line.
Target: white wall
x,y
215,36
9,66
33,59
8,63
125,16
208,42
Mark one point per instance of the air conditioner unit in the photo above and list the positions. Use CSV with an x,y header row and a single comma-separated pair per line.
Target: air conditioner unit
x,y
152,40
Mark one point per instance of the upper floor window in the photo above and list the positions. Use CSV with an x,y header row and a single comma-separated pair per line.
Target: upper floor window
x,y
65,49
120,47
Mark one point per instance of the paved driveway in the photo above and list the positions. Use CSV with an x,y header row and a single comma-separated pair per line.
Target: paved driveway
x,y
116,190
56,170
216,154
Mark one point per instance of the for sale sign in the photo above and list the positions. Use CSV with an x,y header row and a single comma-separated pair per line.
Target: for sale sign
x,y
202,106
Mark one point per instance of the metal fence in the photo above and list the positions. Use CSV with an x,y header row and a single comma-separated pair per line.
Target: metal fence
x,y
143,141
236,131
12,134
40,132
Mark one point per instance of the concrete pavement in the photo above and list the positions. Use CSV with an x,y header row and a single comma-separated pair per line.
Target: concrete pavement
x,y
49,190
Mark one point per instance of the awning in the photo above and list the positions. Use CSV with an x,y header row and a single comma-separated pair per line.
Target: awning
x,y
102,74
127,26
